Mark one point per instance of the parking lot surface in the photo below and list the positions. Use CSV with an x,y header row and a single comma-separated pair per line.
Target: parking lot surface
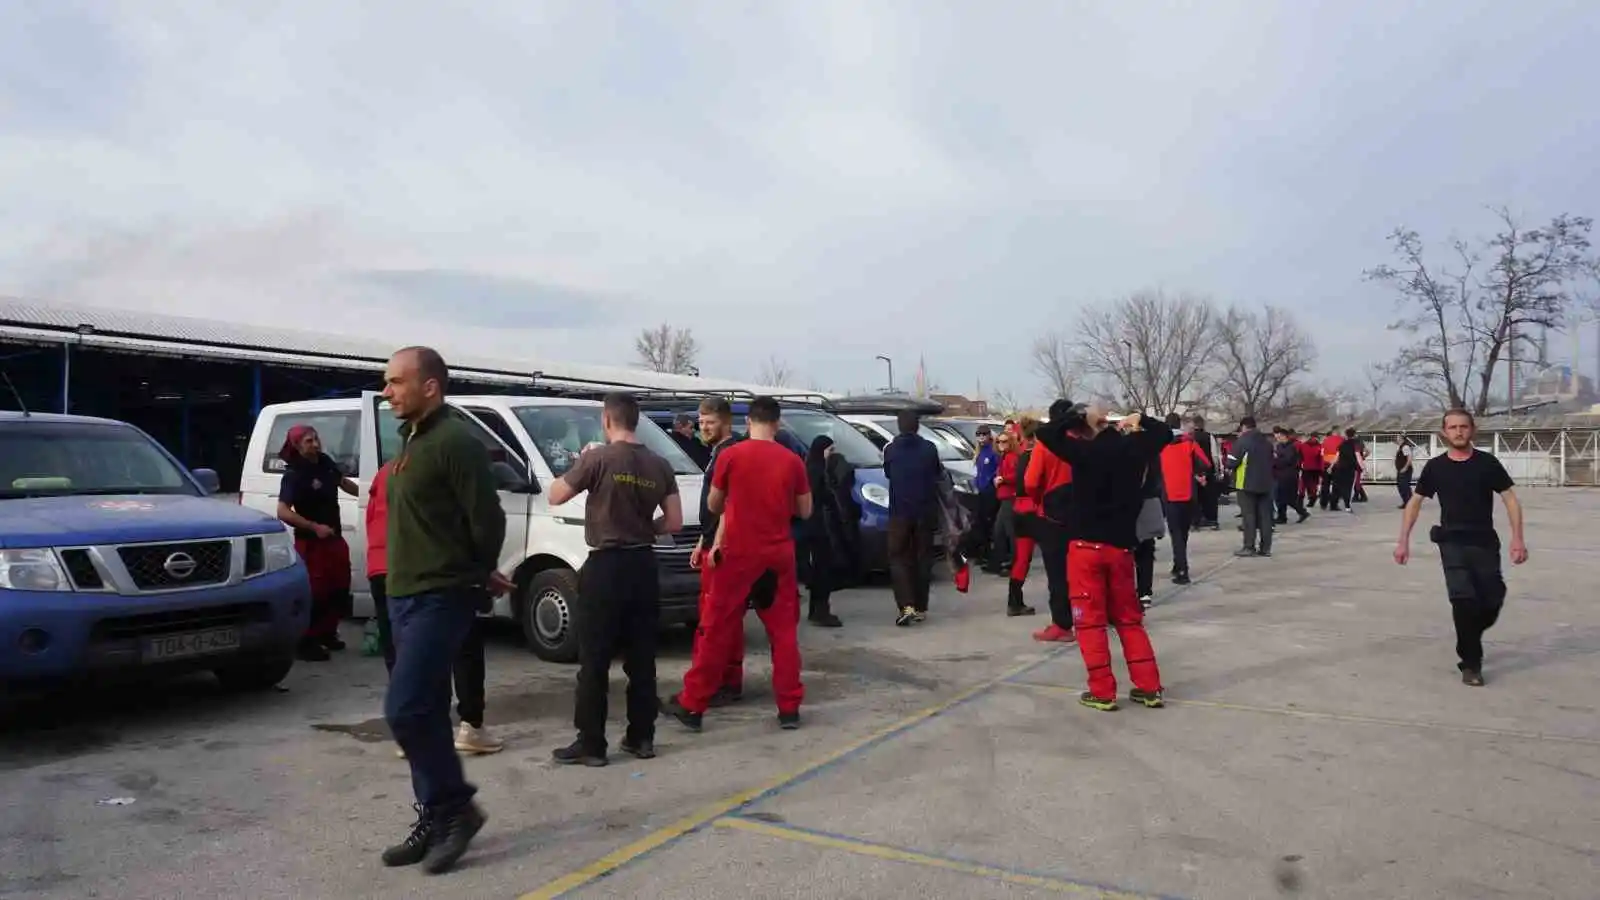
x,y
1318,743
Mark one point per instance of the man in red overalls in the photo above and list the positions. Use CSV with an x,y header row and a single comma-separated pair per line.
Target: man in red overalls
x,y
1108,473
759,487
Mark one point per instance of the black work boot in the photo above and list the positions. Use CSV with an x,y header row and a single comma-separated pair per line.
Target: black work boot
x,y
454,830
821,614
1014,604
410,851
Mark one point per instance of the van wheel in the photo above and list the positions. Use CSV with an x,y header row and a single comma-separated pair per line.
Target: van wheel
x,y
259,675
548,603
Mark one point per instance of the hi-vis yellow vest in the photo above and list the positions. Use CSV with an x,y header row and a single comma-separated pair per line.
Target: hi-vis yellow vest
x,y
1238,474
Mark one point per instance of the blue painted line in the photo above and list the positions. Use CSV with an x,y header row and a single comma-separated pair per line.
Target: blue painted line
x,y
967,861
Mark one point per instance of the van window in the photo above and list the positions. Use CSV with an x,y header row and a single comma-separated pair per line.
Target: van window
x,y
871,434
561,432
389,435
340,430
498,425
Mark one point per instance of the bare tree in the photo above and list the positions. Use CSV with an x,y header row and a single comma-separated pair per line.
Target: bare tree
x,y
1052,361
776,372
1003,403
1260,356
1376,376
1467,318
1151,348
667,349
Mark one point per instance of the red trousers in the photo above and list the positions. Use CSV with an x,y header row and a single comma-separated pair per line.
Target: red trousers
x,y
1021,559
1102,584
733,673
721,632
328,565
1309,479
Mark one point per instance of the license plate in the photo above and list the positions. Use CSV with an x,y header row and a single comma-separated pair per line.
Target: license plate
x,y
194,643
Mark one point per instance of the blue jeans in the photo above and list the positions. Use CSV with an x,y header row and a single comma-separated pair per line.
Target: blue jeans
x,y
429,630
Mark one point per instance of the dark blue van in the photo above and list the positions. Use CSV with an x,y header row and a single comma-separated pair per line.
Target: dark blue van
x,y
806,424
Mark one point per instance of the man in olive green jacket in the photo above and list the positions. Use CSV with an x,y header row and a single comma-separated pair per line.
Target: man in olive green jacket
x,y
445,528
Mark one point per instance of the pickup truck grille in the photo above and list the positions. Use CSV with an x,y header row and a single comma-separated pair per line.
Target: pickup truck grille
x,y
165,567
179,621
80,568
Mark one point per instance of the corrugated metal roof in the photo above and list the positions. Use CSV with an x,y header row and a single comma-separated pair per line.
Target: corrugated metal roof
x,y
25,320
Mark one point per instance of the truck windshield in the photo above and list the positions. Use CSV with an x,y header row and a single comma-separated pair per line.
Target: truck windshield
x,y
561,432
52,459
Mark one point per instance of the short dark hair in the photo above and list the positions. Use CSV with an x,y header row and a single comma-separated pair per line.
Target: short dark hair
x,y
1349,432
1174,420
716,406
430,365
682,419
623,410
1279,429
1247,422
1198,422
1458,411
908,421
764,410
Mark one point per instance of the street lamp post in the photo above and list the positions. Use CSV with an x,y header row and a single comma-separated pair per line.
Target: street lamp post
x,y
890,363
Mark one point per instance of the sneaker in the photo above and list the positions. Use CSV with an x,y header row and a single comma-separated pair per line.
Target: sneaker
x,y
1265,554
332,642
1303,517
826,620
1245,552
309,650
411,851
399,753
1020,610
477,740
726,696
453,833
1054,633
1093,702
789,721
645,749
1181,578
1150,699
919,616
1146,601
574,755
675,709
906,617
1472,677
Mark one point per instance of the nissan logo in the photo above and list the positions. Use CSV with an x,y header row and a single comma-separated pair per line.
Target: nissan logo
x,y
180,565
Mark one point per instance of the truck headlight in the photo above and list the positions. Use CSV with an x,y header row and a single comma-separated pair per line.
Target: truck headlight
x,y
876,494
32,570
277,551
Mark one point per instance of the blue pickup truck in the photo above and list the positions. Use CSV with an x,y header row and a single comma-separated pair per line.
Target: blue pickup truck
x,y
114,560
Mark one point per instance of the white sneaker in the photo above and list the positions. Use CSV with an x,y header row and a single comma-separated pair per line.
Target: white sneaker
x,y
399,754
477,740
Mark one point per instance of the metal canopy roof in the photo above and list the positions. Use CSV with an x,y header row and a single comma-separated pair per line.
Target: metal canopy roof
x,y
138,332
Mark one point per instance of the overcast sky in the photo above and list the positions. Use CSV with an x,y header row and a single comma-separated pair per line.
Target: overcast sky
x,y
820,181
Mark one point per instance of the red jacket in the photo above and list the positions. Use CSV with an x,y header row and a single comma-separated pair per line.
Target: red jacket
x,y
1311,455
1181,461
378,524
1007,488
1049,482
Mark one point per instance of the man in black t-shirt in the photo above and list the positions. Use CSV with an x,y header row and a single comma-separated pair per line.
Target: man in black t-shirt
x,y
1465,480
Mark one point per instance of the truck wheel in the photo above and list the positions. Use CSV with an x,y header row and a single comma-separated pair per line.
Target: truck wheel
x,y
258,675
548,604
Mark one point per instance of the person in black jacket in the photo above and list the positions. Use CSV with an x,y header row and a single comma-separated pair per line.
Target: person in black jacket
x,y
823,534
1286,469
1109,466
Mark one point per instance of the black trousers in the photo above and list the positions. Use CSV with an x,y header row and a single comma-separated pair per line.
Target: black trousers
x,y
1180,518
1344,485
620,610
814,554
1144,567
1053,541
983,527
1477,591
1402,483
1208,494
1257,511
911,560
468,672
1289,497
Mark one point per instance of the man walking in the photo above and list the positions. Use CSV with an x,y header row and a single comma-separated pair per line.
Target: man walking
x,y
1347,462
760,488
1252,478
1465,480
445,530
1310,468
627,484
912,465
1404,461
1207,494
1184,467
1286,470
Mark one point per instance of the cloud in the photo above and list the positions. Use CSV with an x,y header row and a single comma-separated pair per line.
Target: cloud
x,y
824,182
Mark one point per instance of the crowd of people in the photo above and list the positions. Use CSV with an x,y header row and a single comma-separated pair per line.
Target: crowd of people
x,y
1088,492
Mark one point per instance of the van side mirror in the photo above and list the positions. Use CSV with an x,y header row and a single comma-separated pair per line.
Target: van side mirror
x,y
509,478
210,481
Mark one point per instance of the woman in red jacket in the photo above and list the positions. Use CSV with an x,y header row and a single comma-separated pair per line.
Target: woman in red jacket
x,y
1023,514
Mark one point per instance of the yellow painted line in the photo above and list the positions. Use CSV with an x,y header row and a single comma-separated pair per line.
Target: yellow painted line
x,y
1355,718
616,859
912,857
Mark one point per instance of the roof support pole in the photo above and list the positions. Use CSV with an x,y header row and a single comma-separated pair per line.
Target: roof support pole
x,y
66,377
255,390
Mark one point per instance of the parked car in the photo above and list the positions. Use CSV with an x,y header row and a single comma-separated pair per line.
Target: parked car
x,y
880,430
968,428
114,560
533,440
806,423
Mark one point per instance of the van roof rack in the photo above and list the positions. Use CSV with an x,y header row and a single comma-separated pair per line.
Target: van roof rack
x,y
888,404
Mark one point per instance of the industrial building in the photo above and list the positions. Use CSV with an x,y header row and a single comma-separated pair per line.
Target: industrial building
x,y
196,385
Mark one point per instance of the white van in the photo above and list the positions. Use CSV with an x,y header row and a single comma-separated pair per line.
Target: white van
x,y
881,429
536,439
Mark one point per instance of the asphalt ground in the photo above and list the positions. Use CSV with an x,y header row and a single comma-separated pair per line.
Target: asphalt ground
x,y
1318,743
